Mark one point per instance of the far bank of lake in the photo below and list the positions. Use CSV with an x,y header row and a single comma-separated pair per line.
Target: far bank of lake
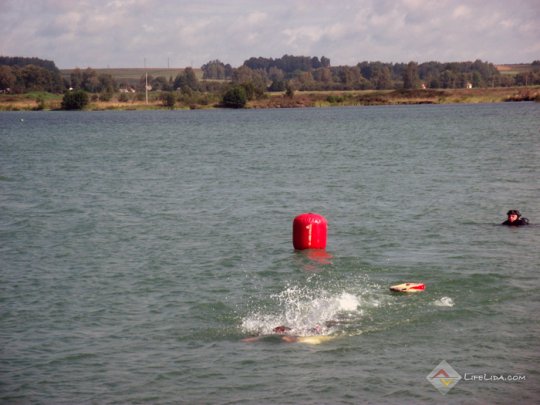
x,y
300,99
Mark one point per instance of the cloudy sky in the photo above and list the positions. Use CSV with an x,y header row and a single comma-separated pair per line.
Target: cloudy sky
x,y
126,33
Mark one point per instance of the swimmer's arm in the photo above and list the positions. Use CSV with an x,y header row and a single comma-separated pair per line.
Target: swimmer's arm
x,y
284,338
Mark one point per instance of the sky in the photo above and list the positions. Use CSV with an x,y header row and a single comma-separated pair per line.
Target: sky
x,y
181,33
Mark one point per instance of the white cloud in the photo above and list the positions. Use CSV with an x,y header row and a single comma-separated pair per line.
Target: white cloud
x,y
304,34
461,11
256,17
335,31
122,32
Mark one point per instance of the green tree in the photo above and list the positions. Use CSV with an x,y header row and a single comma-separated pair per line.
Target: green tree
x,y
235,97
447,79
123,98
186,79
36,78
289,91
160,83
105,96
305,79
33,74
277,85
434,83
325,62
323,75
254,81
275,74
40,102
107,83
243,74
168,99
216,69
250,90
524,79
75,100
350,76
76,79
382,77
7,78
90,81
410,76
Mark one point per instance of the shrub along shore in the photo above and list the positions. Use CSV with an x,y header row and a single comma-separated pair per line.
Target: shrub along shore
x,y
48,101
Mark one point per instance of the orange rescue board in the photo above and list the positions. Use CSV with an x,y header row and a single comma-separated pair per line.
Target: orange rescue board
x,y
408,287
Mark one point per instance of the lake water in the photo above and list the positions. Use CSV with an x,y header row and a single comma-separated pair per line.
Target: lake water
x,y
138,249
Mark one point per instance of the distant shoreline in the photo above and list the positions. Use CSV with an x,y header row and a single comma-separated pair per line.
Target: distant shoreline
x,y
48,102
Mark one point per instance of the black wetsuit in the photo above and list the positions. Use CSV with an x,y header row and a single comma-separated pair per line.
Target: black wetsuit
x,y
517,222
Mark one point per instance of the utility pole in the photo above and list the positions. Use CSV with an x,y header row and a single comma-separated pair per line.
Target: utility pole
x,y
145,82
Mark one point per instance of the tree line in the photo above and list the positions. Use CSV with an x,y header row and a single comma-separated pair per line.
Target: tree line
x,y
258,75
304,73
21,75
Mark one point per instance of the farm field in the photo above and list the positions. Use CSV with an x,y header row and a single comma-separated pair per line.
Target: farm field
x,y
132,76
514,69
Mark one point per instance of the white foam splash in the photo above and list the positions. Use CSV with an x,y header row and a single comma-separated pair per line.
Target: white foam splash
x,y
302,310
348,302
444,302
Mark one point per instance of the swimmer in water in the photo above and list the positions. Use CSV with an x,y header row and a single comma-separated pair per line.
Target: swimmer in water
x,y
515,219
278,330
284,331
287,335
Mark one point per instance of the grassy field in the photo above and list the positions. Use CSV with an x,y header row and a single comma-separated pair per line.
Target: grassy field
x,y
514,69
397,97
30,101
47,101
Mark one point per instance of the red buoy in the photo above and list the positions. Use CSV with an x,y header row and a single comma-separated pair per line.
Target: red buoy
x,y
309,231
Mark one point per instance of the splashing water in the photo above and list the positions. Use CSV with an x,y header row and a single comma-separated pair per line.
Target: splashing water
x,y
444,302
307,312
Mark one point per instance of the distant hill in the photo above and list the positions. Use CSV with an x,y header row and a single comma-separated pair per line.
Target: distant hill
x,y
132,76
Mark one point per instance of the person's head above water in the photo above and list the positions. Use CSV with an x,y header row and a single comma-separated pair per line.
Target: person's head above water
x,y
513,215
281,329
515,219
